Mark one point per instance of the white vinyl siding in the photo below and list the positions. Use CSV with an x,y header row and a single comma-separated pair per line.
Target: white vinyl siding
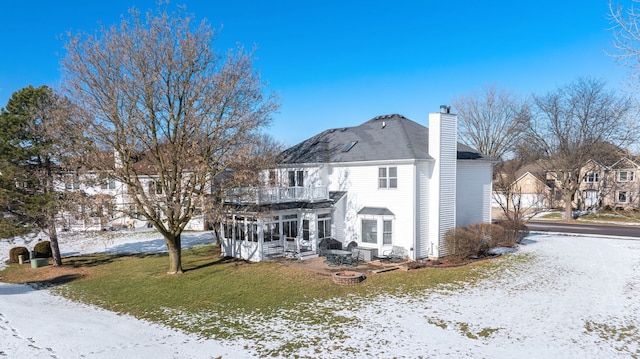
x,y
361,184
473,198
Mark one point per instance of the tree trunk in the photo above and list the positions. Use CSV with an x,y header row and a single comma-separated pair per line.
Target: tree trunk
x,y
568,206
175,254
53,242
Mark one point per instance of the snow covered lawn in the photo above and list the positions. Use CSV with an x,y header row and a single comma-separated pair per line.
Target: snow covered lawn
x,y
575,297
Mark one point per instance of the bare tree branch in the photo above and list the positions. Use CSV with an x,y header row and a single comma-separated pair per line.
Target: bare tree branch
x,y
174,111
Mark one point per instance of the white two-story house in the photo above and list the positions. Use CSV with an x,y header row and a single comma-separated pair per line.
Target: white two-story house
x,y
389,182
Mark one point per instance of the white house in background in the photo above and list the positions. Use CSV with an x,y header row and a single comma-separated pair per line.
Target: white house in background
x,y
389,182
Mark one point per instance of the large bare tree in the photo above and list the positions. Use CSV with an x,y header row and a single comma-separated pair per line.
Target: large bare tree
x,y
174,111
573,124
493,120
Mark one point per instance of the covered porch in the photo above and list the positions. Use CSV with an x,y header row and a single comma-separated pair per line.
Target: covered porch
x,y
290,233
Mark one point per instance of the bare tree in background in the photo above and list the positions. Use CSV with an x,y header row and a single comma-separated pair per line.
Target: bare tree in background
x,y
174,110
492,121
571,126
248,172
626,35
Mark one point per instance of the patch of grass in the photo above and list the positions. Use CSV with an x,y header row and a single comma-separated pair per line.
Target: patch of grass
x,y
463,328
233,299
553,215
623,217
622,336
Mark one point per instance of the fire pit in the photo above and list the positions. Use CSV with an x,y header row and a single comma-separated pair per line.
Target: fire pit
x,y
348,277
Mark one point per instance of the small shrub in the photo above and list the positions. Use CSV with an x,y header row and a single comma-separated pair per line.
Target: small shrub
x,y
460,243
15,252
475,240
489,236
43,249
514,232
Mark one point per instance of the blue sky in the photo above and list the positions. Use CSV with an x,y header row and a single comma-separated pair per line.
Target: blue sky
x,y
340,63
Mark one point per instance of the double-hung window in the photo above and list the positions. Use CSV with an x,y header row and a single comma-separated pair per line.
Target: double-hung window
x,y
324,225
387,177
387,232
622,197
625,175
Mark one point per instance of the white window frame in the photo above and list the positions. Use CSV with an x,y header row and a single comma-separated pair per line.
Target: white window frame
x,y
387,180
296,178
373,230
592,177
383,237
629,175
290,226
324,225
622,197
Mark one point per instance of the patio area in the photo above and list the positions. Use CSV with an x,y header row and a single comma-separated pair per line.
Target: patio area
x,y
320,265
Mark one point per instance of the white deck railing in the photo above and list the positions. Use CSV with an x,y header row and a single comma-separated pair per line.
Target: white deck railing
x,y
262,195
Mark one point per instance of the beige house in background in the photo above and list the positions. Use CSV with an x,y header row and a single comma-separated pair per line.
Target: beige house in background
x,y
530,191
614,186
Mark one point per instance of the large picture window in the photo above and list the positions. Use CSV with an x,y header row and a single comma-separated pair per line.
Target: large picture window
x,y
369,231
387,177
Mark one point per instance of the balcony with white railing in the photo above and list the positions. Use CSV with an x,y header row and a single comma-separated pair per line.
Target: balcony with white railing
x,y
265,195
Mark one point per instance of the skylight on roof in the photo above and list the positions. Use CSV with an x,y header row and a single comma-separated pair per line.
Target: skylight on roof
x,y
349,146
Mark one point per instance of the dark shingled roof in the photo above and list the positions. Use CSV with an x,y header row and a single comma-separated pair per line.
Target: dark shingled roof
x,y
389,137
375,211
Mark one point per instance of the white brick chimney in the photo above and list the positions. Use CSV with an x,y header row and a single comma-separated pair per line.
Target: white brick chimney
x,y
443,136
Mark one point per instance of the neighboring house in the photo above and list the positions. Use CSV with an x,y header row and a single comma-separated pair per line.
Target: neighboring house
x,y
623,188
387,183
604,186
98,202
529,191
594,186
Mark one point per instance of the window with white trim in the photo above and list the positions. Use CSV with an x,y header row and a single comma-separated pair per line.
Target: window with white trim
x,y
591,177
369,231
625,175
296,178
290,226
154,187
271,230
306,235
387,232
324,225
622,197
387,177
